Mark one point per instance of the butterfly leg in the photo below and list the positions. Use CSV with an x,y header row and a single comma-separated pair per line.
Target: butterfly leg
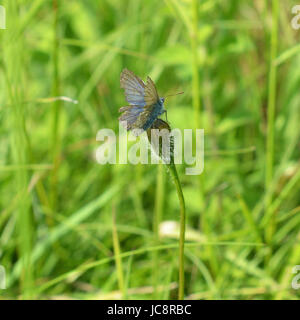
x,y
165,111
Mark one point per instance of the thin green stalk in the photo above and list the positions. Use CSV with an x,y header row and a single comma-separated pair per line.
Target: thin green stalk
x,y
193,32
14,74
271,111
287,190
196,80
169,162
250,219
56,111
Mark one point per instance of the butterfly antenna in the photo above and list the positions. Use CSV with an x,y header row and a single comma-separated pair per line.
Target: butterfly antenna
x,y
176,94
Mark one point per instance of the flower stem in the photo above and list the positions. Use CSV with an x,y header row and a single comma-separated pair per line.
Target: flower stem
x,y
271,114
160,124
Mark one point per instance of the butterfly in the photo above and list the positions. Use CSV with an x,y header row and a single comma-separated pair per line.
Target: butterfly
x,y
144,103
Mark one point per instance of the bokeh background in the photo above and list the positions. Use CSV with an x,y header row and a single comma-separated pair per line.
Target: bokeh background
x,y
71,228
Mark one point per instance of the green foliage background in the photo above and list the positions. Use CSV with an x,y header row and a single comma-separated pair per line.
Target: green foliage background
x,y
57,204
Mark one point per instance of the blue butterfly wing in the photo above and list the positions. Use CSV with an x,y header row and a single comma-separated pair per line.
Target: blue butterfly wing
x,y
130,116
153,106
151,95
134,88
143,99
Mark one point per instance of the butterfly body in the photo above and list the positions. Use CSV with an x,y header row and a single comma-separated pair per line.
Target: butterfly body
x,y
158,110
145,104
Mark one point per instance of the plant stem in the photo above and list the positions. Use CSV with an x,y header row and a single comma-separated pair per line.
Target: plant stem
x,y
194,45
56,112
15,87
160,124
271,110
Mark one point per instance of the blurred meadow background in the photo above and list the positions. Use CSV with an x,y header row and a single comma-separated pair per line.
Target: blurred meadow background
x,y
71,228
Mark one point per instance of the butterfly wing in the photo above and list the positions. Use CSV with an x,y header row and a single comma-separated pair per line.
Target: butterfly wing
x,y
134,88
130,116
136,117
142,98
151,96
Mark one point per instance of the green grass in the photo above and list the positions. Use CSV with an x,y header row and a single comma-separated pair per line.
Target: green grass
x,y
72,228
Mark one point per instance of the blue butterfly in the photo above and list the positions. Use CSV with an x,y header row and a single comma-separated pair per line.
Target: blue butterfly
x,y
145,104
